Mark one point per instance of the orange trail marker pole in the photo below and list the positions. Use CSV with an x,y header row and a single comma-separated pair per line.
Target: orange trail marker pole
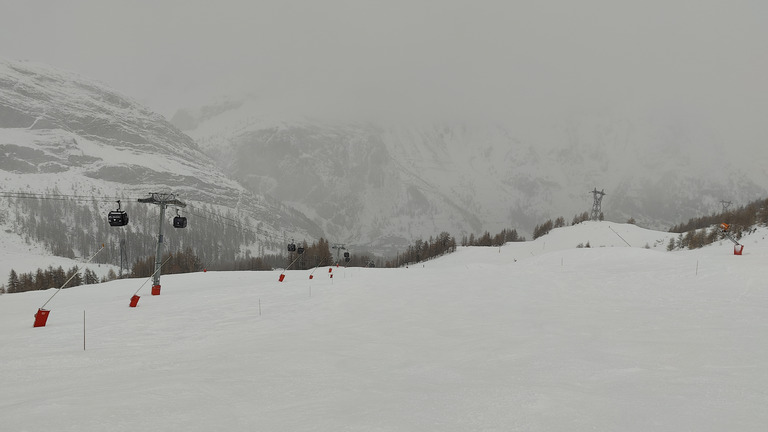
x,y
41,317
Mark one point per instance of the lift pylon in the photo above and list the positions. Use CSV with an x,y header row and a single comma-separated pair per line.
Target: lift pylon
x,y
163,200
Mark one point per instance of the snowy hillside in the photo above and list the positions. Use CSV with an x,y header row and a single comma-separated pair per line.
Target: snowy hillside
x,y
21,257
386,184
63,133
535,336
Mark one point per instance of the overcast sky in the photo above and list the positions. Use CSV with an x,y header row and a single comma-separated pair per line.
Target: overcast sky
x,y
705,60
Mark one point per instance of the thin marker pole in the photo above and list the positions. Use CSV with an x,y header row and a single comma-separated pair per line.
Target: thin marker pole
x,y
72,277
292,262
622,238
153,274
282,275
318,265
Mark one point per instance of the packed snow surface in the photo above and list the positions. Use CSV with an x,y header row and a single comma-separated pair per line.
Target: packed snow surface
x,y
535,336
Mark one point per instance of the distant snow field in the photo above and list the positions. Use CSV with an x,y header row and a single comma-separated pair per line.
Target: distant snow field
x,y
533,336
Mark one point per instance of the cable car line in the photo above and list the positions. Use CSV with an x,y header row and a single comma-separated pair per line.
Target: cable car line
x,y
58,197
119,217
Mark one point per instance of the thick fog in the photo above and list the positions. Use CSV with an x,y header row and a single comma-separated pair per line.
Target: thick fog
x,y
701,64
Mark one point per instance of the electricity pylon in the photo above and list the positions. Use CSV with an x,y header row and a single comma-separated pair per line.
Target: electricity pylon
x,y
597,204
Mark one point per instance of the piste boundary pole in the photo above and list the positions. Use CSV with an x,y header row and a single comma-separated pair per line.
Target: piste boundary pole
x,y
153,274
72,277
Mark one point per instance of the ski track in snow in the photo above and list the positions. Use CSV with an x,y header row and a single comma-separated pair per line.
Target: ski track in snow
x,y
535,336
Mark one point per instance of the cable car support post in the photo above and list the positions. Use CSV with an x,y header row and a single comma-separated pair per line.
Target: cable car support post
x,y
162,200
339,247
136,297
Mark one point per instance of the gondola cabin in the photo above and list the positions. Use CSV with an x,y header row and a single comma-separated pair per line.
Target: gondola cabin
x,y
179,222
117,218
300,250
291,247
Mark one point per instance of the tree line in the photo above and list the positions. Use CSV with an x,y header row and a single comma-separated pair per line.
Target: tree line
x,y
315,254
444,243
49,278
546,227
506,235
755,212
220,249
76,228
422,250
701,231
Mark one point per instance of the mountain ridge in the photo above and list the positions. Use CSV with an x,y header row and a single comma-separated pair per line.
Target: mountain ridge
x,y
66,133
466,178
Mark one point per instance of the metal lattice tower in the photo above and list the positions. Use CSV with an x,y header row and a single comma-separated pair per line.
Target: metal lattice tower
x,y
597,204
162,200
725,204
123,254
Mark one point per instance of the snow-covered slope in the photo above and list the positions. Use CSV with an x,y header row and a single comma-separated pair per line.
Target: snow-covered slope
x,y
605,338
62,132
387,184
23,257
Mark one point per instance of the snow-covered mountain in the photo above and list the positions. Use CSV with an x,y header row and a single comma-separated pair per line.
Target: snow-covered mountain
x,y
374,185
385,185
62,132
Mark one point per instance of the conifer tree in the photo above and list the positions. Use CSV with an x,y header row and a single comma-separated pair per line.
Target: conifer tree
x,y
13,282
671,244
559,222
90,277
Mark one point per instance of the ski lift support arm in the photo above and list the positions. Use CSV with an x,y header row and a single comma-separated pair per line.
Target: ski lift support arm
x,y
167,199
